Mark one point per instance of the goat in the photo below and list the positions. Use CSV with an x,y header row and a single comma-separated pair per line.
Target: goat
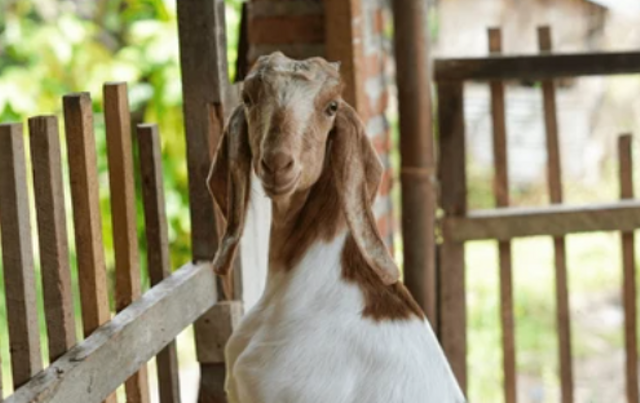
x,y
335,324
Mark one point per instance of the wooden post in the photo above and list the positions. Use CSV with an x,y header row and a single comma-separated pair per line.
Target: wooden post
x,y
501,192
453,199
17,257
83,174
417,152
629,275
201,27
158,264
123,216
554,180
343,39
52,230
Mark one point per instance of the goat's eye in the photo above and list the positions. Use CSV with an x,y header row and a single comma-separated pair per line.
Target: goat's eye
x,y
246,99
332,108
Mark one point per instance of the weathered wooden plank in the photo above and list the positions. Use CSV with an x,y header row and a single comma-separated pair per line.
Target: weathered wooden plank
x,y
87,222
554,180
123,215
629,293
501,195
452,328
52,229
202,35
17,257
158,263
100,363
515,222
537,67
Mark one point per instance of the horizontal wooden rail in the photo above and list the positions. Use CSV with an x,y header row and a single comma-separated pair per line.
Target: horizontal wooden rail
x,y
93,369
507,223
537,67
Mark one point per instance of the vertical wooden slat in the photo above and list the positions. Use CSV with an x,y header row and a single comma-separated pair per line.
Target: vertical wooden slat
x,y
158,263
123,215
52,229
629,275
204,82
417,173
453,199
501,193
554,180
17,257
83,174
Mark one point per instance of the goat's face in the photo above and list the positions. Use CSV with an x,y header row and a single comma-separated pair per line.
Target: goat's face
x,y
290,107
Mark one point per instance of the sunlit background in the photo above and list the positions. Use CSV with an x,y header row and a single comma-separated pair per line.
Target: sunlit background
x,y
52,47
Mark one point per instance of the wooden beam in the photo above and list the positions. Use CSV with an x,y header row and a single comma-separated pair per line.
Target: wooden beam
x,y
537,67
629,289
157,234
418,170
52,231
17,257
123,215
344,44
90,371
554,180
515,222
452,313
501,194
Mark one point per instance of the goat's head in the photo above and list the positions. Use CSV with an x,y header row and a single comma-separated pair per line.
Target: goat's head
x,y
292,116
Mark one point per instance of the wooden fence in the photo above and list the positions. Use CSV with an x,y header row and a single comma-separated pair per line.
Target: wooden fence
x,y
115,349
505,223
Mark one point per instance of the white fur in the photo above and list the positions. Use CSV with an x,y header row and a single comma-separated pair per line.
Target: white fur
x,y
305,341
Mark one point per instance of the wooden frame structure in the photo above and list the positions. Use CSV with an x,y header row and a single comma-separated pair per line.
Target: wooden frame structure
x,y
505,223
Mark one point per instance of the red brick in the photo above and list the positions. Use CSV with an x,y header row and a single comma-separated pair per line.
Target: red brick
x,y
287,30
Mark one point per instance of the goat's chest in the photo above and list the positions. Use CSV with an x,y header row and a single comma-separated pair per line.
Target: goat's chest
x,y
306,341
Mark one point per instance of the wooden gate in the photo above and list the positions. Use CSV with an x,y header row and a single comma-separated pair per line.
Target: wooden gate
x,y
504,223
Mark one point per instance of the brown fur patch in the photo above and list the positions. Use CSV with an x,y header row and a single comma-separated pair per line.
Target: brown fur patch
x,y
382,302
311,216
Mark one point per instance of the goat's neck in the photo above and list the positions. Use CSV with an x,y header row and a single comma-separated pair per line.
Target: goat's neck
x,y
303,219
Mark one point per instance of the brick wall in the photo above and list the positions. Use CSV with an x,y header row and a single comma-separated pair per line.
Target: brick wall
x,y
299,29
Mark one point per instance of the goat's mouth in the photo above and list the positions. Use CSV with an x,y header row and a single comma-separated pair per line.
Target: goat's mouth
x,y
275,190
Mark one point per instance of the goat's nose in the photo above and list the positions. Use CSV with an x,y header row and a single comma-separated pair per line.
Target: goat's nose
x,y
278,162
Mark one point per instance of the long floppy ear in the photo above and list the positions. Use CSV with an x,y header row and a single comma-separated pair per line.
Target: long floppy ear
x,y
358,172
229,182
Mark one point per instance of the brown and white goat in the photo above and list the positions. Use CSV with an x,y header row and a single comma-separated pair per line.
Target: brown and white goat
x,y
334,324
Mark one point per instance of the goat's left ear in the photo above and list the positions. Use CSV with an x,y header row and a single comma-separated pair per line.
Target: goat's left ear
x,y
358,171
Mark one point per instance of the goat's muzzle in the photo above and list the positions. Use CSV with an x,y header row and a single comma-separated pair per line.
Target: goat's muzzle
x,y
279,173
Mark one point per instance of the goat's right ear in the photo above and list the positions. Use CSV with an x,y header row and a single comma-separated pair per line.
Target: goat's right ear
x,y
229,182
